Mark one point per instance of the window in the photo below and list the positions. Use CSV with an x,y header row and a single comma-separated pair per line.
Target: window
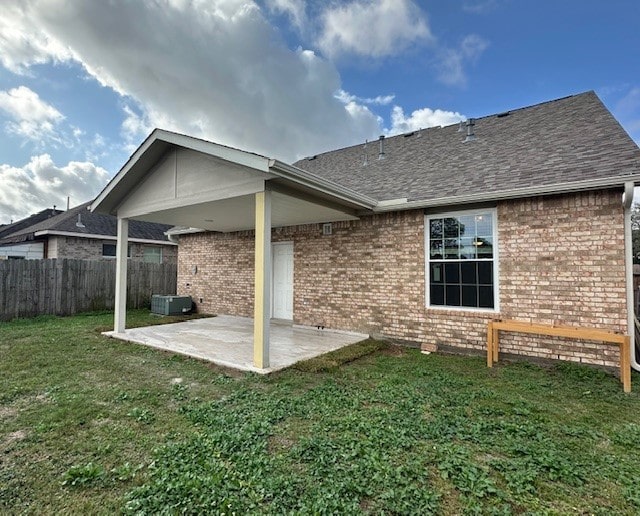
x,y
462,260
152,254
109,251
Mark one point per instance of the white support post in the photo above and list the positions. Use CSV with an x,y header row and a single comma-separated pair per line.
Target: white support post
x,y
121,276
262,297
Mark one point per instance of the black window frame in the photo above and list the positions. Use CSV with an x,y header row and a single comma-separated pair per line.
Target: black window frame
x,y
461,260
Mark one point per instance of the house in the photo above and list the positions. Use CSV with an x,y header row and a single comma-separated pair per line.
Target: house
x,y
79,233
24,249
422,237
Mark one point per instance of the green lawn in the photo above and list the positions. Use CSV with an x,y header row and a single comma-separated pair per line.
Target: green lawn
x,y
94,425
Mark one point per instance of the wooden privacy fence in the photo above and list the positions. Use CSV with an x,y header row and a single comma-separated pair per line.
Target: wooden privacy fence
x,y
66,287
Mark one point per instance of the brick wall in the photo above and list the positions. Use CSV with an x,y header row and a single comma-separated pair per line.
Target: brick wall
x,y
91,249
216,270
561,261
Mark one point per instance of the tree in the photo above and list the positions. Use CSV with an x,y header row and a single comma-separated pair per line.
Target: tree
x,y
635,232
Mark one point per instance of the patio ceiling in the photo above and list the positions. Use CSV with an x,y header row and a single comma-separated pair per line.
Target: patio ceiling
x,y
238,213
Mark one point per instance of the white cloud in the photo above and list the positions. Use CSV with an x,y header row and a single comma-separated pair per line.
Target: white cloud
x,y
41,183
381,100
295,9
421,119
250,92
24,104
31,117
453,61
479,6
134,128
376,28
20,49
215,69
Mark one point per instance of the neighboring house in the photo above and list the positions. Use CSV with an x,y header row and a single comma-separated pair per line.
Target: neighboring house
x,y
24,249
79,233
422,237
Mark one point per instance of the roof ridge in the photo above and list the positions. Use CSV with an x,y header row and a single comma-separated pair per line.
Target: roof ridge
x,y
538,104
435,127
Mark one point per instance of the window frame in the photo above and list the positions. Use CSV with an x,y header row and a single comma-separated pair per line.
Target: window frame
x,y
495,259
113,257
154,247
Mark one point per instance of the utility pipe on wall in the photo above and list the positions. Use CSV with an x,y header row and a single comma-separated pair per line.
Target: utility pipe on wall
x,y
627,201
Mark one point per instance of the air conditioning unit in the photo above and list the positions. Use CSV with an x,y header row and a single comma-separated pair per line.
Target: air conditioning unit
x,y
170,305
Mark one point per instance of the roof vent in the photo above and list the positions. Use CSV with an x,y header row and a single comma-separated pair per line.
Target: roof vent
x,y
461,126
79,224
502,115
470,136
365,160
407,135
419,135
311,158
381,152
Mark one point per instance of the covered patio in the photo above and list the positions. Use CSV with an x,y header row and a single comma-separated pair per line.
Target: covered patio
x,y
227,340
183,181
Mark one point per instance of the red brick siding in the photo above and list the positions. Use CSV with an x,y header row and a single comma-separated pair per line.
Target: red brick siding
x,y
218,268
561,261
368,276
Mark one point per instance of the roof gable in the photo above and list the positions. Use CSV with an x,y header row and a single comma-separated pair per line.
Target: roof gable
x,y
157,145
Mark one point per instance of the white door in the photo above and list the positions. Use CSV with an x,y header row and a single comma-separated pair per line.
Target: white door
x,y
282,280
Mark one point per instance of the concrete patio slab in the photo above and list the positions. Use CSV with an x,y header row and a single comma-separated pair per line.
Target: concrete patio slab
x,y
228,341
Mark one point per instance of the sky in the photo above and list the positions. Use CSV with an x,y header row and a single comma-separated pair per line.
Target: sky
x,y
83,82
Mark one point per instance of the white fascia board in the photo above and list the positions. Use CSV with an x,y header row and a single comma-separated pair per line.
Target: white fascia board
x,y
532,191
237,156
133,159
393,202
302,177
240,157
48,232
185,231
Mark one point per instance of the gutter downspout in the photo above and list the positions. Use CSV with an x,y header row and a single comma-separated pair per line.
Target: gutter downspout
x,y
627,201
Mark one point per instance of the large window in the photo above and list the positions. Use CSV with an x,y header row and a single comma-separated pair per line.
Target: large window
x,y
461,260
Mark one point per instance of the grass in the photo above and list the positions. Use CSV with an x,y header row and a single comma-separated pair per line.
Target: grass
x,y
94,425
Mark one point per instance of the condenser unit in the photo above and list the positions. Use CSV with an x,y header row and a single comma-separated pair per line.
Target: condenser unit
x,y
170,305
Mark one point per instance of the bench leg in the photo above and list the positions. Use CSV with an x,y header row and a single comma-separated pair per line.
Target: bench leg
x,y
625,364
490,344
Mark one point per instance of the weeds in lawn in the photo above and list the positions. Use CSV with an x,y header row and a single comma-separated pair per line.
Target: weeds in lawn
x,y
92,425
142,415
83,475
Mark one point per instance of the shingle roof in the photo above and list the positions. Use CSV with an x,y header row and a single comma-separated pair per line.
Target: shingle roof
x,y
566,140
94,224
19,225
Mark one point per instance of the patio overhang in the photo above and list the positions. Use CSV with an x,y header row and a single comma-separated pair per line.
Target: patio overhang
x,y
184,181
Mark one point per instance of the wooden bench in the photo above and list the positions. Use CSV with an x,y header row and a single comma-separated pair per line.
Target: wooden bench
x,y
493,339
